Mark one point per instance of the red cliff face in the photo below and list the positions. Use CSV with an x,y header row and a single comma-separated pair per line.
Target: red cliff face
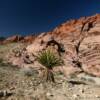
x,y
29,39
75,27
81,42
18,38
15,38
68,30
76,41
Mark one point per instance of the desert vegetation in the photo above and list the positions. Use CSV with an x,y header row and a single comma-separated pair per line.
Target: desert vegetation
x,y
48,59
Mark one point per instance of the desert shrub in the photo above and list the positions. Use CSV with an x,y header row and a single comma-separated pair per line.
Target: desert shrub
x,y
49,59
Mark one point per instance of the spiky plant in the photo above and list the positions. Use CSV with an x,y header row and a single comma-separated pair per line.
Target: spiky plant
x,y
49,59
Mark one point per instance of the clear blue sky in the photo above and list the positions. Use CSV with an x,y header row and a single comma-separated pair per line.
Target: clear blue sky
x,y
36,16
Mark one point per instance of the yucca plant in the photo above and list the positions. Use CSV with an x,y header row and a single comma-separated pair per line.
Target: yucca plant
x,y
49,59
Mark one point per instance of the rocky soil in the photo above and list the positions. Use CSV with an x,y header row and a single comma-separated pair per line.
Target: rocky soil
x,y
20,86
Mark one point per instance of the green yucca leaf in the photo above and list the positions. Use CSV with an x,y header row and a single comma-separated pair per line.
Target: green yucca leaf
x,y
48,59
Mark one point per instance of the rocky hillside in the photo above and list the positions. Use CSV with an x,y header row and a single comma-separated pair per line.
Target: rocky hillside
x,y
80,40
76,41
17,38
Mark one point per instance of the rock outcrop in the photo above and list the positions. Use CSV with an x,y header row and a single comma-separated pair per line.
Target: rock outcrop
x,y
81,43
29,39
15,38
76,41
18,38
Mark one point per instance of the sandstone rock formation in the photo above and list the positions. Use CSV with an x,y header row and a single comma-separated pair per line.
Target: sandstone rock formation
x,y
15,38
76,41
18,38
29,39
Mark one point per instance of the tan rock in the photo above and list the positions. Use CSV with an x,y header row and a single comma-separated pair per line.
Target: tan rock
x,y
85,31
15,38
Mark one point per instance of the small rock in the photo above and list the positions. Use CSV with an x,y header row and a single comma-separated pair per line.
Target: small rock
x,y
77,82
82,90
97,96
5,93
75,96
49,94
12,88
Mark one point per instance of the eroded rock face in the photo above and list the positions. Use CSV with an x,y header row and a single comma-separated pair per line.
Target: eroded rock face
x,y
90,55
29,39
18,38
80,43
74,27
15,38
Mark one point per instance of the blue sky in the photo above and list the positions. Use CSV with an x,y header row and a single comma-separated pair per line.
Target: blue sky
x,y
36,16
